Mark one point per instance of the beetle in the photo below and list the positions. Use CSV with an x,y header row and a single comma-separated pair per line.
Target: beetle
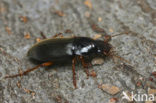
x,y
61,50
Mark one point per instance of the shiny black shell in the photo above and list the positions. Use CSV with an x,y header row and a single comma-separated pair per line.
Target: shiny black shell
x,y
65,49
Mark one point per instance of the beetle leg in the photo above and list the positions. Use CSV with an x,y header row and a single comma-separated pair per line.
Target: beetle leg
x,y
85,66
43,36
74,73
57,35
29,70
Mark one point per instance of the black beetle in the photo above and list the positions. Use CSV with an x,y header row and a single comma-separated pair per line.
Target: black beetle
x,y
65,49
59,50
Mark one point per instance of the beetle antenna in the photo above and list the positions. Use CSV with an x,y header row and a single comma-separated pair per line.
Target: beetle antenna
x,y
122,33
122,59
107,38
116,35
113,55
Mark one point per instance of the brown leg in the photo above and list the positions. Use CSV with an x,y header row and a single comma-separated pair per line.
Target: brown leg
x,y
85,66
57,35
74,73
29,70
43,36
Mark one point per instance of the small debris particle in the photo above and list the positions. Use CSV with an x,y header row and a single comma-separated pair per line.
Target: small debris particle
x,y
56,84
38,39
59,13
93,73
33,94
138,83
7,29
110,89
2,9
97,61
57,1
68,31
97,36
73,35
20,71
87,14
113,100
58,99
27,90
152,91
150,78
88,3
111,30
18,84
23,19
27,35
99,19
30,92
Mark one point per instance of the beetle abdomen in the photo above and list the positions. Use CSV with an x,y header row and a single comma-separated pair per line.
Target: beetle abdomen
x,y
58,49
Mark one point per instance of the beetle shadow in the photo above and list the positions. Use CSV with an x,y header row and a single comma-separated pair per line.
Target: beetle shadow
x,y
64,65
54,64
60,66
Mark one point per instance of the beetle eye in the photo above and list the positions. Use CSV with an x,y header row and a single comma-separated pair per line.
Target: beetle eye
x,y
99,50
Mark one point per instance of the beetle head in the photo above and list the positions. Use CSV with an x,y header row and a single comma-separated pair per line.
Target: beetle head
x,y
103,48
